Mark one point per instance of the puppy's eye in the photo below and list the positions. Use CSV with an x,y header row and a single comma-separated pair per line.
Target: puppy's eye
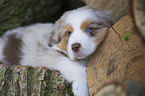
x,y
68,33
90,31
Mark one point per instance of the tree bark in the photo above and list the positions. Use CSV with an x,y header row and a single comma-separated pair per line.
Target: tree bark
x,y
29,81
117,57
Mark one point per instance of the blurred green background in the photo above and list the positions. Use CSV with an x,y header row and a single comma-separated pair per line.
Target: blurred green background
x,y
15,13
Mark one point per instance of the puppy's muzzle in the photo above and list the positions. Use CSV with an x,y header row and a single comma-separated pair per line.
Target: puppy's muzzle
x,y
76,47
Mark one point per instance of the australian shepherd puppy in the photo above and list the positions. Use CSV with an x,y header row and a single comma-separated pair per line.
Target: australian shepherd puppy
x,y
64,46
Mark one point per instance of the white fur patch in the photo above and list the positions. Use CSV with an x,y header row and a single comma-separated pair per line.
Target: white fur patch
x,y
1,49
56,48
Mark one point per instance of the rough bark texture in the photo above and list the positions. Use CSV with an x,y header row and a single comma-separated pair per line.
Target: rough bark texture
x,y
28,81
118,8
117,58
138,16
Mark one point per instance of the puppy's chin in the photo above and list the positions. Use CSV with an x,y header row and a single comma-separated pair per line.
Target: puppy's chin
x,y
81,57
77,56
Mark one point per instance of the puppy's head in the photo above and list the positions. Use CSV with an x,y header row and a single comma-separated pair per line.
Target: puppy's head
x,y
80,31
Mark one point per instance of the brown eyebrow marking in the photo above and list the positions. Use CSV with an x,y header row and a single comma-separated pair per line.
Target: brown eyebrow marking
x,y
85,24
69,27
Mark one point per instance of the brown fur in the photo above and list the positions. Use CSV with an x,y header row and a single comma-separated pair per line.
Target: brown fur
x,y
11,49
64,41
69,27
100,34
85,24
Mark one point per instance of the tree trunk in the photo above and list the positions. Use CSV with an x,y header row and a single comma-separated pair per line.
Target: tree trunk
x,y
121,55
29,81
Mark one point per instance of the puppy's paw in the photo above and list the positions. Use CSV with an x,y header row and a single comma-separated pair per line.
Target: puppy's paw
x,y
80,88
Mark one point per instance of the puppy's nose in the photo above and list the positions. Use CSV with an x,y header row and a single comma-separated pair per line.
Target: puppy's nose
x,y
76,47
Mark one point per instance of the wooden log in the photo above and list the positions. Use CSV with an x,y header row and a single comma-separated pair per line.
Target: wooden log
x,y
137,11
117,58
118,8
122,88
29,81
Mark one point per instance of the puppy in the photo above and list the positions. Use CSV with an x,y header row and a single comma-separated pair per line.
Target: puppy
x,y
77,34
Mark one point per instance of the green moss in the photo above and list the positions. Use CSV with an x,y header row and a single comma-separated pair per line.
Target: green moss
x,y
14,13
126,38
68,90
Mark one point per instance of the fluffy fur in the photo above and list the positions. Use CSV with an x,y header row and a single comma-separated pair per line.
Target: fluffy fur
x,y
39,44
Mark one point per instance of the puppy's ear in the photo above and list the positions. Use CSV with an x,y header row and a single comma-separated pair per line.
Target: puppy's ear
x,y
101,34
104,18
56,35
51,40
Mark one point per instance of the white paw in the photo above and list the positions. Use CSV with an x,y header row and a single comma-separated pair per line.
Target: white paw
x,y
80,88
